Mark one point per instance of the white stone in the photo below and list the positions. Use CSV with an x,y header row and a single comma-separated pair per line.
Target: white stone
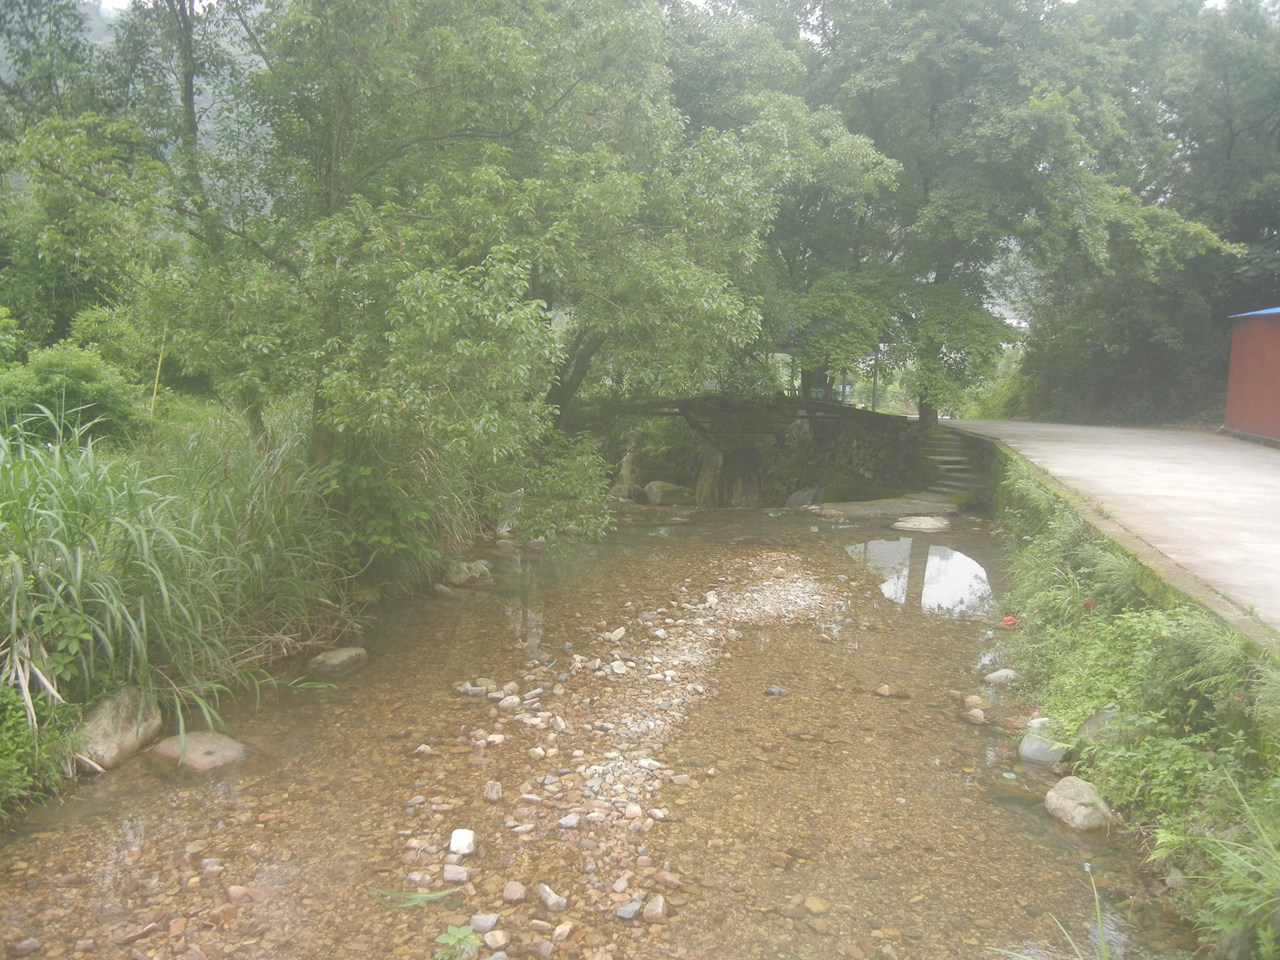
x,y
482,923
923,524
655,909
497,939
1000,678
1078,804
462,842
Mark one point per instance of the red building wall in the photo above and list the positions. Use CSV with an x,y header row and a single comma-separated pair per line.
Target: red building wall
x,y
1253,385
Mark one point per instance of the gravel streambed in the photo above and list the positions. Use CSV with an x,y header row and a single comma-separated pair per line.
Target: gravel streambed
x,y
711,741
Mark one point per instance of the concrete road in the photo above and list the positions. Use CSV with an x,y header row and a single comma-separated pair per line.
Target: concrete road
x,y
1203,508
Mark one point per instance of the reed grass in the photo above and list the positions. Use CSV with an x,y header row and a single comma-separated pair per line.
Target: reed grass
x,y
182,580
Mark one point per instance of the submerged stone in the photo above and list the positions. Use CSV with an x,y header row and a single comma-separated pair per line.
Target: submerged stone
x,y
201,751
341,660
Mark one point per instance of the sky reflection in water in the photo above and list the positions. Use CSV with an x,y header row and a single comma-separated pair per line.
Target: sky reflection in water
x,y
935,578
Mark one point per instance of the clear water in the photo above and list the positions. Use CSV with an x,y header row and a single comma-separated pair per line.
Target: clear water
x,y
832,821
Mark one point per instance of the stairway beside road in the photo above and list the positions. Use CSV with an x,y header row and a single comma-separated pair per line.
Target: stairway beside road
x,y
960,469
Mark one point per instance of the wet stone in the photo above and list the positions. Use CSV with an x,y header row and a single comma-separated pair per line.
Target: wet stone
x,y
462,842
551,900
497,939
341,661
482,923
1037,748
656,909
455,873
201,751
629,911
513,892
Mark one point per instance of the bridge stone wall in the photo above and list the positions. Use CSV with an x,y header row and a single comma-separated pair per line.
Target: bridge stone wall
x,y
860,457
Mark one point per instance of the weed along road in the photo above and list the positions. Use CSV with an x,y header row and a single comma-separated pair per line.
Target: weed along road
x,y
1201,508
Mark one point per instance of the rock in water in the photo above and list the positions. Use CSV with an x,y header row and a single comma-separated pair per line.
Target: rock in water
x,y
629,910
551,900
661,493
341,660
1037,748
628,491
462,842
201,751
923,524
118,728
656,909
1078,804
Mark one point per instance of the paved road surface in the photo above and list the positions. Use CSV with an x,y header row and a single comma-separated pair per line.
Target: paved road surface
x,y
1202,507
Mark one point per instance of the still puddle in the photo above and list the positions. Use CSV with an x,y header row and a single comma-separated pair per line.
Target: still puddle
x,y
825,822
930,577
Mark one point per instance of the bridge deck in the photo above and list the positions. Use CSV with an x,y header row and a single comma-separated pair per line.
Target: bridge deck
x,y
1203,508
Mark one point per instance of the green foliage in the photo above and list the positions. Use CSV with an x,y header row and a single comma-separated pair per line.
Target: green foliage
x,y
31,759
563,496
113,336
457,943
67,389
1188,698
415,898
182,582
1242,903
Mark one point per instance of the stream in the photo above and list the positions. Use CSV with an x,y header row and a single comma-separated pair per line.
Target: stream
x,y
735,734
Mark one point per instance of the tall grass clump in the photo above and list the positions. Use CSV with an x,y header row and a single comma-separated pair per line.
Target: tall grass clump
x,y
181,582
1186,708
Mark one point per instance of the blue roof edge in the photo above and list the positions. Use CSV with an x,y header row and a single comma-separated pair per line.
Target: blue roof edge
x,y
1255,313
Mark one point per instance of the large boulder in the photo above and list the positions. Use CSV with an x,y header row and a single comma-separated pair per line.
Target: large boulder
x,y
118,728
1037,748
201,751
663,494
805,496
1078,804
629,491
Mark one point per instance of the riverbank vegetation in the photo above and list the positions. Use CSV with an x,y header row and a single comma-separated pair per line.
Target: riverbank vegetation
x,y
1172,713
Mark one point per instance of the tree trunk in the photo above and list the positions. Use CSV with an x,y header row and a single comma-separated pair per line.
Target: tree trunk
x,y
928,415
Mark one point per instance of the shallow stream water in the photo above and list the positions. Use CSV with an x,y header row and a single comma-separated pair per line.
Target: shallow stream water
x,y
747,729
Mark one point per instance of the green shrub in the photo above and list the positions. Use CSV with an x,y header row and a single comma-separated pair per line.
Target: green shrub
x,y
1190,697
31,759
109,333
67,389
182,582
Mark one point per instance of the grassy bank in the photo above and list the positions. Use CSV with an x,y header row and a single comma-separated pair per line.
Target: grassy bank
x,y
1173,714
182,577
